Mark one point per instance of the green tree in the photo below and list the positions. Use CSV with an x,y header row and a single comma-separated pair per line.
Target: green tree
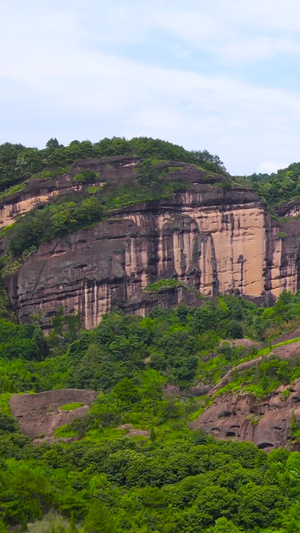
x,y
72,526
223,525
98,519
152,435
3,527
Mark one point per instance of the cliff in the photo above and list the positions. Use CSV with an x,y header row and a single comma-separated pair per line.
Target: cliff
x,y
212,238
266,423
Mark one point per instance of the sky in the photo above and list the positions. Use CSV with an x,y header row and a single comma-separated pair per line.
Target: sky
x,y
216,75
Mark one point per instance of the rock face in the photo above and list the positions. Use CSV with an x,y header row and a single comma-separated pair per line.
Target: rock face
x,y
242,417
213,239
40,414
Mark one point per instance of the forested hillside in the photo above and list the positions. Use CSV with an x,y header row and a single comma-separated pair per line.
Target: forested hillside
x,y
18,162
132,462
172,479
277,187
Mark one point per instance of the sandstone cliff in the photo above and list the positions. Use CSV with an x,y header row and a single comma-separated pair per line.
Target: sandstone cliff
x,y
214,239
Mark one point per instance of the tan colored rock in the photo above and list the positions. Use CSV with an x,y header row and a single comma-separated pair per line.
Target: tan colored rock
x,y
40,414
196,237
213,239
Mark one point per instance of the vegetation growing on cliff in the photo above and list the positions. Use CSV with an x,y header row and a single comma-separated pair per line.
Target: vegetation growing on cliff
x,y
18,162
106,481
176,480
153,180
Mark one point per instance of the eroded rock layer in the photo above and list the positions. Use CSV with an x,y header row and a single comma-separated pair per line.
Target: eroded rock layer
x,y
40,191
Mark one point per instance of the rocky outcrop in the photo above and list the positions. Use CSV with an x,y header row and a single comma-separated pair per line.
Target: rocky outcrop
x,y
248,344
210,238
41,414
243,417
266,422
40,191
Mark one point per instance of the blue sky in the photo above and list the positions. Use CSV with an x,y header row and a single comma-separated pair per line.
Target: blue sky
x,y
221,75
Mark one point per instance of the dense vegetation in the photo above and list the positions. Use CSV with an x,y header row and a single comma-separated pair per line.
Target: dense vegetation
x,y
18,163
69,213
174,481
277,187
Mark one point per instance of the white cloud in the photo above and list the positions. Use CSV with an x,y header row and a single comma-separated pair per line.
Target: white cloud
x,y
270,166
56,59
234,30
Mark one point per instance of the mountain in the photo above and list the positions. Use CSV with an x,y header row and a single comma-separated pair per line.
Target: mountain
x,y
106,230
149,342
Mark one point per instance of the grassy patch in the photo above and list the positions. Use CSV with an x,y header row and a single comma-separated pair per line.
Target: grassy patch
x,y
66,432
163,284
71,406
4,403
174,169
13,190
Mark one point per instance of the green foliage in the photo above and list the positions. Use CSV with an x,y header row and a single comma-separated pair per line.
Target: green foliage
x,y
3,528
151,175
18,163
86,176
54,220
176,480
98,520
71,406
278,187
282,235
164,284
223,525
51,522
174,169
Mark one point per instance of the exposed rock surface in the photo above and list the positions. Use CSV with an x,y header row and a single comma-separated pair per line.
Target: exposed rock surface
x,y
213,239
244,418
40,414
39,191
248,344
